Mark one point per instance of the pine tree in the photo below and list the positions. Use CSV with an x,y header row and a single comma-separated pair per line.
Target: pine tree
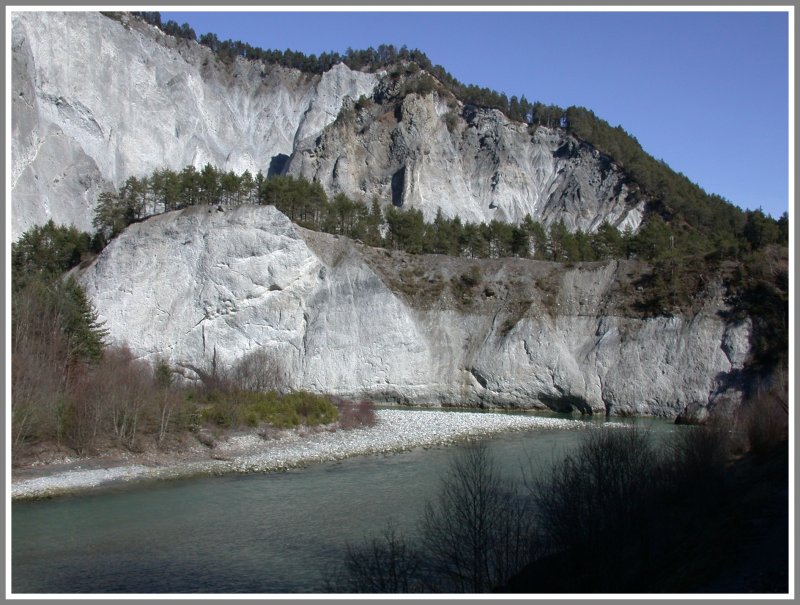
x,y
46,252
79,321
109,215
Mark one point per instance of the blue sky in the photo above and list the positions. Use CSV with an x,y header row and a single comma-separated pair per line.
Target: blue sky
x,y
707,92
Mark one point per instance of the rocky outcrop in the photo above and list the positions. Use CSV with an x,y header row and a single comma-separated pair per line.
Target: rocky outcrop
x,y
423,152
96,100
201,288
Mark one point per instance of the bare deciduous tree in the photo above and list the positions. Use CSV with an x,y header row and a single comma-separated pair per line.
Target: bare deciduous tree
x,y
476,534
259,371
477,531
598,488
383,564
124,388
166,398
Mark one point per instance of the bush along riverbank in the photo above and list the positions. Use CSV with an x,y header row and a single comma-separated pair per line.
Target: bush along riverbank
x,y
75,396
704,512
119,408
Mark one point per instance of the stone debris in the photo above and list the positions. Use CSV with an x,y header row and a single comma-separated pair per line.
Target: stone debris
x,y
395,431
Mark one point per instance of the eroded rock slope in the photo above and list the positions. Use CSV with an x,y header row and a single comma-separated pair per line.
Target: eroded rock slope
x,y
95,101
482,167
199,287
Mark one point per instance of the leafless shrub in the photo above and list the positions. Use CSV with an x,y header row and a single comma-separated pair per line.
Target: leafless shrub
x,y
602,488
124,388
356,415
83,414
477,532
698,455
39,372
206,438
167,399
475,535
382,564
261,371
765,420
269,432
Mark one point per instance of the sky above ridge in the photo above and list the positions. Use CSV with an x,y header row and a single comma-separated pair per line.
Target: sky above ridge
x,y
706,92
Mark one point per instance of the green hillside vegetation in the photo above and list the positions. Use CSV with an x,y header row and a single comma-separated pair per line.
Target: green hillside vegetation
x,y
308,205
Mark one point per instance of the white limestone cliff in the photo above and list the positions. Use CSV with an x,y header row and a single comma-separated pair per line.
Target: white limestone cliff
x,y
96,101
199,286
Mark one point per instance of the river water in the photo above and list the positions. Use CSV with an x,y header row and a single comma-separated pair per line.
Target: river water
x,y
262,533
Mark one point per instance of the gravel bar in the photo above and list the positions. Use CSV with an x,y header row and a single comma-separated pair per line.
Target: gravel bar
x,y
396,430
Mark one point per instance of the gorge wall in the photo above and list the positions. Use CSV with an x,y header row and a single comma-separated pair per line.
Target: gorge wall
x,y
96,100
199,288
481,167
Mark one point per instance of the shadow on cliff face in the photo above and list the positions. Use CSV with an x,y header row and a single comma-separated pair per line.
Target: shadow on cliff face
x,y
398,184
277,165
566,404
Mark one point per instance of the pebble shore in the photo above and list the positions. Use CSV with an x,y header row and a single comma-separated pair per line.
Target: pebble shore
x,y
395,430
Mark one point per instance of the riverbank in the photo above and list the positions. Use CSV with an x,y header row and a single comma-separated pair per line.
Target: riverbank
x,y
249,452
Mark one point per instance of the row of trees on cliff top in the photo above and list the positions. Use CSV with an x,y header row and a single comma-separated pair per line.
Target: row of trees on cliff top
x,y
308,205
679,201
370,59
682,261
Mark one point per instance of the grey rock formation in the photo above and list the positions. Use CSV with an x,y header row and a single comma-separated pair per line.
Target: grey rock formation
x,y
198,288
481,168
95,100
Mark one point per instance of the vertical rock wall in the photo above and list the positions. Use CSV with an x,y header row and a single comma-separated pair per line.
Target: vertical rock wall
x,y
96,100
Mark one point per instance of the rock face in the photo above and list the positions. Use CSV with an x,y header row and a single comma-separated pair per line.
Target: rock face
x,y
96,100
199,287
481,168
